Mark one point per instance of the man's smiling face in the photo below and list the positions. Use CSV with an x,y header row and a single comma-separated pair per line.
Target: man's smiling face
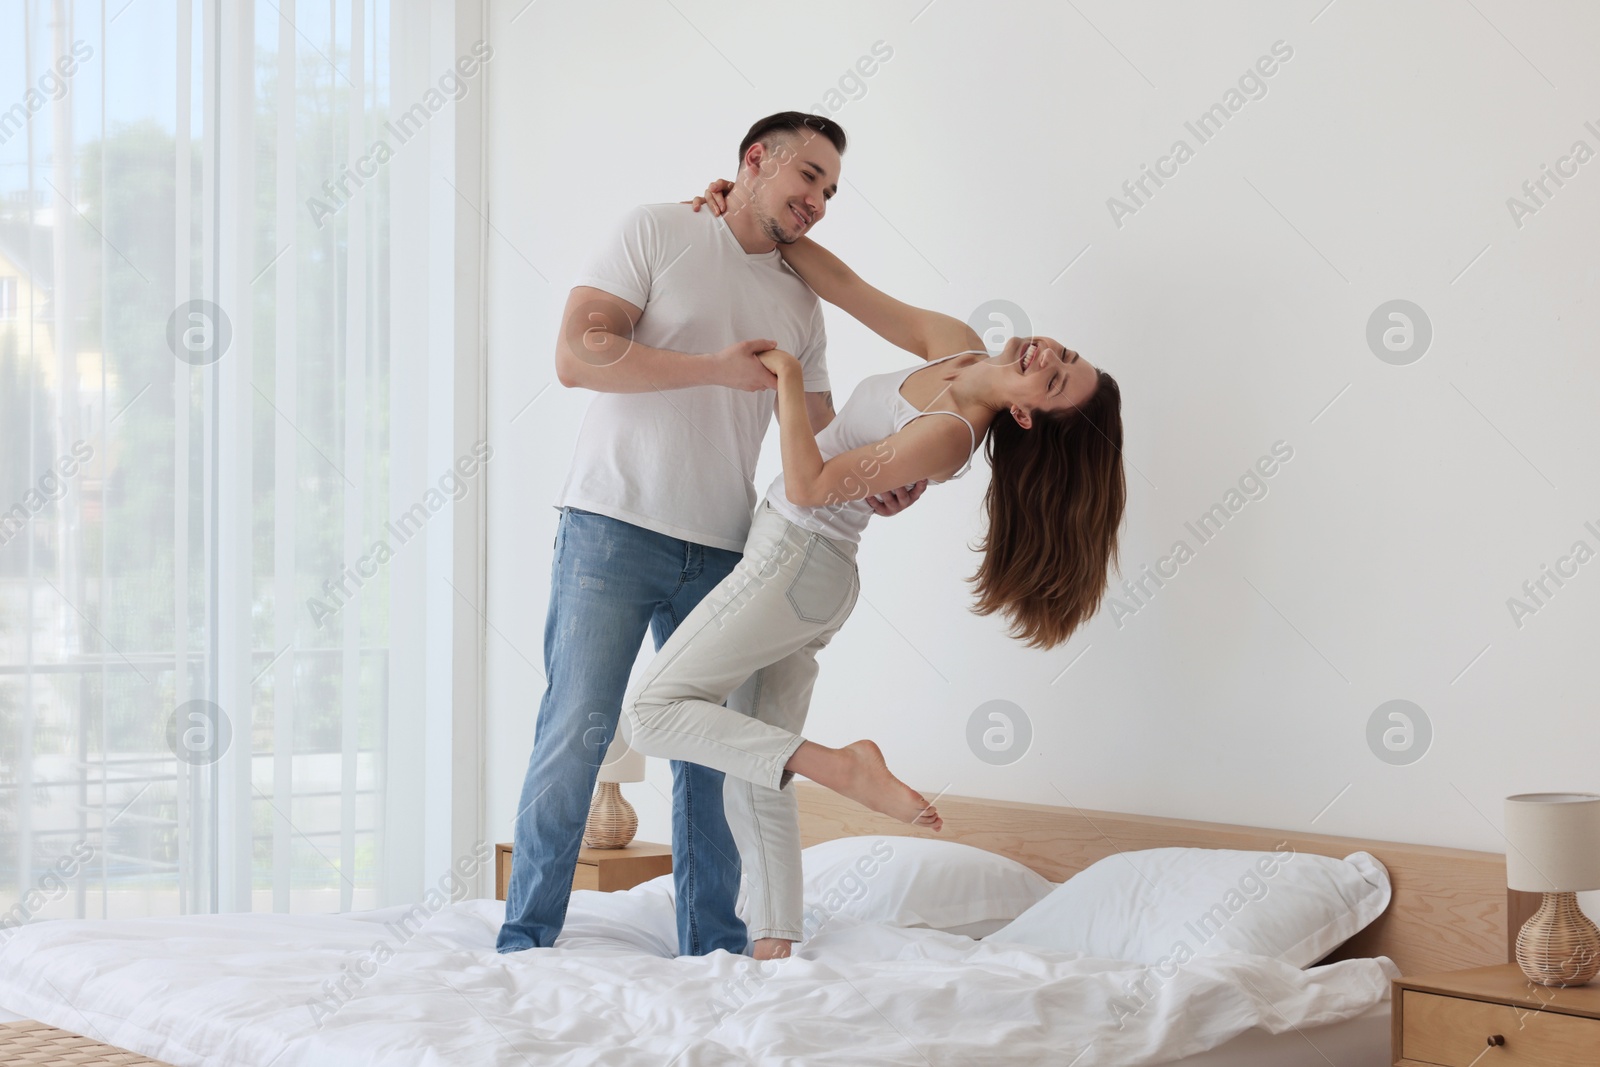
x,y
793,183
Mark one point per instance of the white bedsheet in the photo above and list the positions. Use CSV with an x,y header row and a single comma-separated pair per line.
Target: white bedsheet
x,y
244,989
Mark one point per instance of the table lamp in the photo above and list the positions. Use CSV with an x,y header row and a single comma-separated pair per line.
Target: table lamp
x,y
1553,847
612,821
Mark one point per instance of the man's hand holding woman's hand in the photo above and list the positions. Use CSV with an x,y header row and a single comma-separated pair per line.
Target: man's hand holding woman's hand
x,y
780,363
742,366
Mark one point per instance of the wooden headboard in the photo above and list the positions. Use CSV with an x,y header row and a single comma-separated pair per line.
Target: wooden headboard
x,y
1449,907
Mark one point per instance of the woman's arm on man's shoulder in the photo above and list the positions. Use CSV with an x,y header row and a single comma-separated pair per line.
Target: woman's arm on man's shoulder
x,y
927,334
924,333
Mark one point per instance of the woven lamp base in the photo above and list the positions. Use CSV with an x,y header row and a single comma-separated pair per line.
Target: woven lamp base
x,y
612,821
1559,946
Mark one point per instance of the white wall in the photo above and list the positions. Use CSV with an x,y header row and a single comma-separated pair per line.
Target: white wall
x,y
1233,309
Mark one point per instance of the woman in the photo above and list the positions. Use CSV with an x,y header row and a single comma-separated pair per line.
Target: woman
x,y
1055,500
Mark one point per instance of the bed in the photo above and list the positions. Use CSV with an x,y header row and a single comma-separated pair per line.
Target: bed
x,y
286,990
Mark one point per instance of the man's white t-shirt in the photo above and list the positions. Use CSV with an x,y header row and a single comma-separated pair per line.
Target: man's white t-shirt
x,y
682,461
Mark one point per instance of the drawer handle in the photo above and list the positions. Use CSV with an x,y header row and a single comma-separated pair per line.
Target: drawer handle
x,y
1496,1039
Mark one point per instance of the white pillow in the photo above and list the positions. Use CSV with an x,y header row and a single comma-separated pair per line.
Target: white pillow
x,y
1164,904
640,919
910,881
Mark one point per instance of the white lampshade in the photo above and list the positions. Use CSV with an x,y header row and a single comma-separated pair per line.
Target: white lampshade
x,y
622,764
1553,842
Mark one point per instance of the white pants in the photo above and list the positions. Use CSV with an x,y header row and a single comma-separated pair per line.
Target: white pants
x,y
757,632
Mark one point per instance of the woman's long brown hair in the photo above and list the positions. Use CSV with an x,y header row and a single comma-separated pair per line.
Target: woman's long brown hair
x,y
1055,501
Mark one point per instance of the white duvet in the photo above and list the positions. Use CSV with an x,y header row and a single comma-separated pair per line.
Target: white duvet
x,y
313,991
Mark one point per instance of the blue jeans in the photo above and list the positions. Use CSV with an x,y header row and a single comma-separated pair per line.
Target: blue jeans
x,y
610,581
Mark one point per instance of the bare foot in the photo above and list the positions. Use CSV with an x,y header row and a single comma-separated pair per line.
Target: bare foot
x,y
770,948
868,781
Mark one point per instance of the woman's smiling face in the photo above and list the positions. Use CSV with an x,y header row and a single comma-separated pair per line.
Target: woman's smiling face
x,y
1049,376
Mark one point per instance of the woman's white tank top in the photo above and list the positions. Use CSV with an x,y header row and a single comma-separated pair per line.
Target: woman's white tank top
x,y
874,411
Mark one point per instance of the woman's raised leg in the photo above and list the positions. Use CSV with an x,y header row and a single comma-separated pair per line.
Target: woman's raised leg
x,y
858,771
762,627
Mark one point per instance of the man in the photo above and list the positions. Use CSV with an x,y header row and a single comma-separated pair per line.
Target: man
x,y
658,502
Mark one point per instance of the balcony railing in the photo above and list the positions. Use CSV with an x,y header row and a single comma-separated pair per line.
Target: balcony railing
x,y
104,770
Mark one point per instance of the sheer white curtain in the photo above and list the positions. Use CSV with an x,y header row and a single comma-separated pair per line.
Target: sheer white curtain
x,y
240,466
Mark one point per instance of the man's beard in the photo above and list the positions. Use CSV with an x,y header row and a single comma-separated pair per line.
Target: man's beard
x,y
770,227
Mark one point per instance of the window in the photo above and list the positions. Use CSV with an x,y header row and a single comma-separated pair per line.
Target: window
x,y
210,698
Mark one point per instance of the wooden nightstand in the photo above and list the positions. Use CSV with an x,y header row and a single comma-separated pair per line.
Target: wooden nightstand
x,y
1493,1017
605,869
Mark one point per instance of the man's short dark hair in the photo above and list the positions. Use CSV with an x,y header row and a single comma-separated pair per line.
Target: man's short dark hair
x,y
792,122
